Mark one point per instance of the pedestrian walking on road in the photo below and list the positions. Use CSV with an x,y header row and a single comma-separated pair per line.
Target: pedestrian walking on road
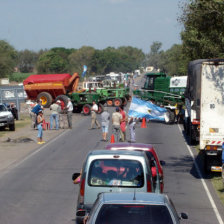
x,y
132,123
123,124
105,121
34,112
40,119
94,110
55,108
116,121
69,108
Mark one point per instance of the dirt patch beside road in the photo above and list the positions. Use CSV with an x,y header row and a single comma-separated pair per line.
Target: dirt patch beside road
x,y
16,145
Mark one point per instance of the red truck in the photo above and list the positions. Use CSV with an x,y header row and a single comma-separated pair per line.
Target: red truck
x,y
46,87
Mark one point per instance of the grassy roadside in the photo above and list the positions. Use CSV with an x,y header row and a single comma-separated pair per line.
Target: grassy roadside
x,y
216,180
23,122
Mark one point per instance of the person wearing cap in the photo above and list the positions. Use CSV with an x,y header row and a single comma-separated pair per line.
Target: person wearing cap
x,y
94,110
55,108
105,120
40,119
116,121
69,108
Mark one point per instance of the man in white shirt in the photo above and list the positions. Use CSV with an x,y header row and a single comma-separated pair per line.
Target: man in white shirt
x,y
94,110
69,113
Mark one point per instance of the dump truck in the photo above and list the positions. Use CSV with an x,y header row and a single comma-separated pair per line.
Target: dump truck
x,y
204,118
46,87
163,90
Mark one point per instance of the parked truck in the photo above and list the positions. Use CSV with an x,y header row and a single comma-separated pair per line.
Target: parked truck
x,y
46,87
165,91
204,117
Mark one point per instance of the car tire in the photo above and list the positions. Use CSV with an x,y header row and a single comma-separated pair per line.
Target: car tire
x,y
86,109
12,127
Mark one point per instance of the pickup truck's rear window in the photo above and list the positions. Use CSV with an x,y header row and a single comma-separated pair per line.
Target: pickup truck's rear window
x,y
116,172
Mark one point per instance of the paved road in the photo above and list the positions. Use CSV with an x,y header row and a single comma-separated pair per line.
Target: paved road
x,y
39,190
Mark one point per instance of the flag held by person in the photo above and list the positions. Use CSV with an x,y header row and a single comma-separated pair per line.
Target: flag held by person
x,y
140,108
84,70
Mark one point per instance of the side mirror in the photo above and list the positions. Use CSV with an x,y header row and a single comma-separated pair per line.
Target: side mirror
x,y
162,162
75,175
183,215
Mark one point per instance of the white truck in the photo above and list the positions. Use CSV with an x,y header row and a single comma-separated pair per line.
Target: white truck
x,y
204,114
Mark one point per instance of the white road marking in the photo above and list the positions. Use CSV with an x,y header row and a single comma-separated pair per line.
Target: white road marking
x,y
16,164
219,218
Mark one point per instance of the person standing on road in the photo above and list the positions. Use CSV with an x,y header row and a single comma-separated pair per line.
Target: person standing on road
x,y
62,114
34,113
40,119
116,121
94,110
55,108
105,120
132,123
69,108
123,124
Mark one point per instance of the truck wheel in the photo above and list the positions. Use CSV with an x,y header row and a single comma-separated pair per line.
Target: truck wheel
x,y
62,98
12,127
125,101
117,102
100,108
110,103
46,99
86,109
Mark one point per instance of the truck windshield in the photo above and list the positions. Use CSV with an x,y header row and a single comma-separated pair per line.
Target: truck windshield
x,y
133,213
116,172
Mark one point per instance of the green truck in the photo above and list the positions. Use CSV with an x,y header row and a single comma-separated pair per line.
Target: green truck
x,y
163,90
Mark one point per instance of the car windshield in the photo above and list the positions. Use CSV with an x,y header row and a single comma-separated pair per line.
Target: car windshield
x,y
133,213
3,108
116,172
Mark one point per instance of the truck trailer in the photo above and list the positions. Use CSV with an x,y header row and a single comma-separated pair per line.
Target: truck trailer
x,y
204,114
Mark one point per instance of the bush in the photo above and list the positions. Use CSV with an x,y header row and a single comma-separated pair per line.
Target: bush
x,y
19,77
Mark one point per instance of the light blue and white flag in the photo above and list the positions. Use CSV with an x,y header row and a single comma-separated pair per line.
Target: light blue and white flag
x,y
140,108
84,70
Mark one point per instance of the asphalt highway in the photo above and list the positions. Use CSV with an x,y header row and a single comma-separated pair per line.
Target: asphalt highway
x,y
39,189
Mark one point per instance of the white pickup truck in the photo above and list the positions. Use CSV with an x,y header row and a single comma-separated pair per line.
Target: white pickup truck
x,y
6,118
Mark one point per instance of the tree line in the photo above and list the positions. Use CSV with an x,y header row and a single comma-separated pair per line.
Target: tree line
x,y
202,36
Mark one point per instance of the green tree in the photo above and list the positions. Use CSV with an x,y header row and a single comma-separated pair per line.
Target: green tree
x,y
203,33
173,61
80,57
155,54
51,62
8,57
27,61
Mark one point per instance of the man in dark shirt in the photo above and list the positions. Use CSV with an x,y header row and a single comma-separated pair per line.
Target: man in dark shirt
x,y
34,113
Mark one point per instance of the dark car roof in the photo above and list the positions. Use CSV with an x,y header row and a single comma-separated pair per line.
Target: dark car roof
x,y
140,146
136,198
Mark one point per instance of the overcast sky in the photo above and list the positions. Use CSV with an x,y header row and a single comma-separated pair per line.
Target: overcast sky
x,y
40,24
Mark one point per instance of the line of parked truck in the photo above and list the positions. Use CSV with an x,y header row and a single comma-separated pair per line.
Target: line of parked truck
x,y
199,99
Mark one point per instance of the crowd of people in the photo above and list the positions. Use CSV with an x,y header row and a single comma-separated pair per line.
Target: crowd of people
x,y
60,117
120,121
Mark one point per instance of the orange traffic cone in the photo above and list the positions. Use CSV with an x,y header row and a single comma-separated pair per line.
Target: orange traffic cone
x,y
112,139
143,123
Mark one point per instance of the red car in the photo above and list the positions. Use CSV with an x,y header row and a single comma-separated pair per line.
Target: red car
x,y
155,163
